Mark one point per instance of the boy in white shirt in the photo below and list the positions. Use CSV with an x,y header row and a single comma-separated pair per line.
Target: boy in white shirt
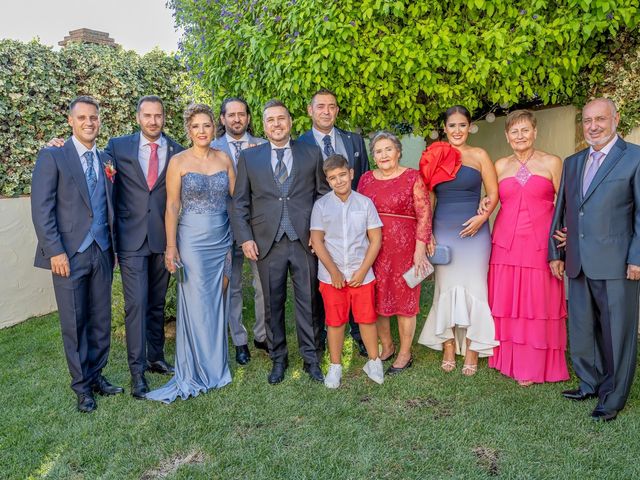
x,y
346,234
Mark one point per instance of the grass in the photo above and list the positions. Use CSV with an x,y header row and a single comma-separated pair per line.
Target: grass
x,y
422,424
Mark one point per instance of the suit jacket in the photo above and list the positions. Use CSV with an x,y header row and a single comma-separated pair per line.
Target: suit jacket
x,y
603,226
139,212
356,151
222,144
60,203
257,204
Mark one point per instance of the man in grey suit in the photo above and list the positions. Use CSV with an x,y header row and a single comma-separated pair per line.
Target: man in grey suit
x,y
599,203
72,212
276,186
323,110
233,136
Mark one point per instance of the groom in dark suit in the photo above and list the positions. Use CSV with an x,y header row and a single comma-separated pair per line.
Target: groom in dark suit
x,y
140,202
599,203
72,212
276,186
323,110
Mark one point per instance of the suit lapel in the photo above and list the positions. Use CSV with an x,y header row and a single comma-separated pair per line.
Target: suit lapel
x,y
134,146
163,173
348,146
77,173
295,163
108,185
610,161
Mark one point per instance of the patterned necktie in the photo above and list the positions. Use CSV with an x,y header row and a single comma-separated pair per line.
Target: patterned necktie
x,y
90,173
281,169
154,163
328,148
596,158
238,147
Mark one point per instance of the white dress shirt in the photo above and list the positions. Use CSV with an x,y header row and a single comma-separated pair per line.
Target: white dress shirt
x,y
288,157
345,226
81,149
144,152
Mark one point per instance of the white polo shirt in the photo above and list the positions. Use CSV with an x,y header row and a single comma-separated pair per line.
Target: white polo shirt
x,y
345,226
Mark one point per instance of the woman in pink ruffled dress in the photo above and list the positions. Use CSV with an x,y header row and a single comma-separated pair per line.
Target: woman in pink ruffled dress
x,y
527,302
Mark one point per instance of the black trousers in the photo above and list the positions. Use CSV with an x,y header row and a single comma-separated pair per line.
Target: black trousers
x,y
84,308
144,284
286,258
603,328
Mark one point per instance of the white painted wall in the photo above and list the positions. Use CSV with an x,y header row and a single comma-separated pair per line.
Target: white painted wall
x,y
25,291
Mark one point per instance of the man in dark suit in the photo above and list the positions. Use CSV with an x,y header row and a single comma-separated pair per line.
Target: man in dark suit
x,y
234,136
323,110
72,212
276,186
599,203
140,200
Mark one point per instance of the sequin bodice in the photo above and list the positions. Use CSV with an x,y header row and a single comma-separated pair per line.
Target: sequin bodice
x,y
204,193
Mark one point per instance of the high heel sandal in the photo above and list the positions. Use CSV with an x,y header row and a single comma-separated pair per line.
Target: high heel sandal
x,y
448,365
469,370
390,356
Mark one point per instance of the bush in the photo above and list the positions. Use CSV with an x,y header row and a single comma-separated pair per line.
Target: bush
x,y
399,62
37,84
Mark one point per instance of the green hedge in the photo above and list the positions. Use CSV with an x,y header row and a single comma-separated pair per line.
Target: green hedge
x,y
37,83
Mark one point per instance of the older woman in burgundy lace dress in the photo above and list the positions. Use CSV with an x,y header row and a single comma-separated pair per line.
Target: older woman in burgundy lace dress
x,y
402,201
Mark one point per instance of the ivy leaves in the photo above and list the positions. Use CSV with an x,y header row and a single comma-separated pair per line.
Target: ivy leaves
x,y
37,84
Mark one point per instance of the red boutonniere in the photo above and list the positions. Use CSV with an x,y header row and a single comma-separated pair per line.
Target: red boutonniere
x,y
109,170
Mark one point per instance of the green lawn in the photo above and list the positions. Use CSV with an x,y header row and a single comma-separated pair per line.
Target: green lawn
x,y
422,424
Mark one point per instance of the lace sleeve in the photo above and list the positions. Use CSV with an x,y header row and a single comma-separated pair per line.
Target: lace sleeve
x,y
422,207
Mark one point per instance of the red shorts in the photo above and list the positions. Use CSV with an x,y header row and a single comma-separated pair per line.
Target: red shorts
x,y
338,301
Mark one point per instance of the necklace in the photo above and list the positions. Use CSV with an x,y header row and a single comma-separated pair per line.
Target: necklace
x,y
523,174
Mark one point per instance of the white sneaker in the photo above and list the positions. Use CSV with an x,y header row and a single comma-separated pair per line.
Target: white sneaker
x,y
374,370
333,376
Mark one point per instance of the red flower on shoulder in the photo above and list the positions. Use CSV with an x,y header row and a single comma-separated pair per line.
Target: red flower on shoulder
x,y
109,170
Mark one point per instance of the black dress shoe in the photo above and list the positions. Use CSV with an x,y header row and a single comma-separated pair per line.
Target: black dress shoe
x,y
261,345
243,356
313,369
102,387
139,386
603,416
86,403
277,372
578,395
362,350
393,370
160,366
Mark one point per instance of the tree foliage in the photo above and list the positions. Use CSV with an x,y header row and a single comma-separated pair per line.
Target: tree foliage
x,y
399,62
37,84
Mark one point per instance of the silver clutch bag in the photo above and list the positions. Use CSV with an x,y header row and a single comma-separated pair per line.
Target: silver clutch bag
x,y
412,279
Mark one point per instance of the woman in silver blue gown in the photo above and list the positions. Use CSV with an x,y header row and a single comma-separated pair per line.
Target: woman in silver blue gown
x,y
199,183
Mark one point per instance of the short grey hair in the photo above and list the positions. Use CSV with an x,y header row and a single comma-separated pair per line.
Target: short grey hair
x,y
385,135
608,101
